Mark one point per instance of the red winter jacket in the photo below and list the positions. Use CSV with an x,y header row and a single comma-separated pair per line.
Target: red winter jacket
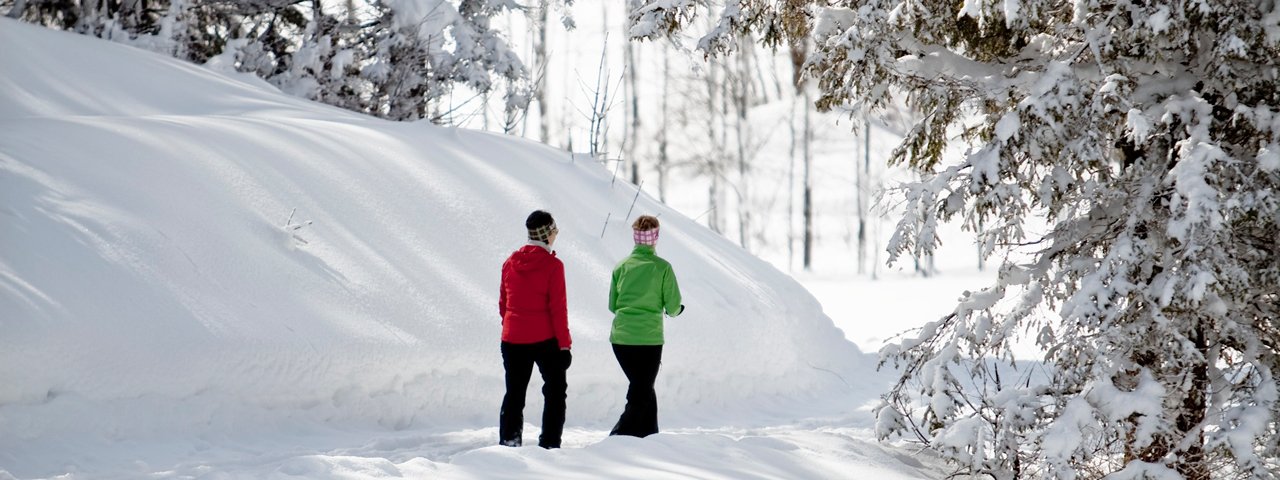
x,y
532,298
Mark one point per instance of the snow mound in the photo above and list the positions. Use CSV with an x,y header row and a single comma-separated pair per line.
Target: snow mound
x,y
185,251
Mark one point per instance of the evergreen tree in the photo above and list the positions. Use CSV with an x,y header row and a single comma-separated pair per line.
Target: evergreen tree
x,y
1145,135
395,59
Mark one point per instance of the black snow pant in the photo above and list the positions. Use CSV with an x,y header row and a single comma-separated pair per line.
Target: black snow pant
x,y
518,361
640,364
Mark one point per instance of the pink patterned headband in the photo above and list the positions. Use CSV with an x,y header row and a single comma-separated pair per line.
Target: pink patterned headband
x,y
645,237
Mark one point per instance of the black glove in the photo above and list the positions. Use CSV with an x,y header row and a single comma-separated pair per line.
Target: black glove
x,y
681,310
566,357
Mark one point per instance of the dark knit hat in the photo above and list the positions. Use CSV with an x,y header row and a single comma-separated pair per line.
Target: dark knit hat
x,y
540,226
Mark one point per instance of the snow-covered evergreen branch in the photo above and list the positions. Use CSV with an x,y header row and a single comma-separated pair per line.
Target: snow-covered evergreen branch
x,y
1144,134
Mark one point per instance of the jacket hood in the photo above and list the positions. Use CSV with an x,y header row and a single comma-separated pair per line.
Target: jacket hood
x,y
531,257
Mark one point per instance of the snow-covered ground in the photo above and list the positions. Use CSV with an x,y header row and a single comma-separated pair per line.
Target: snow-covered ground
x,y
202,277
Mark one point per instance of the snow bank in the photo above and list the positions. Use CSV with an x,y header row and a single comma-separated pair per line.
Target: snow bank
x,y
149,286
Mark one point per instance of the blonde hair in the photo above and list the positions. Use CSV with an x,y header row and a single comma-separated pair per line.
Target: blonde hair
x,y
645,223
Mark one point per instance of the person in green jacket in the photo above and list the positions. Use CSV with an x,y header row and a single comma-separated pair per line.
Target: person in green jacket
x,y
643,288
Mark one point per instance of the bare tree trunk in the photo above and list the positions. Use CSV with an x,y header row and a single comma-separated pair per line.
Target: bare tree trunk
x,y
791,188
317,16
351,18
924,266
808,186
799,53
1191,463
1188,457
875,250
540,72
722,145
633,124
741,93
862,196
663,159
760,91
982,266
86,16
600,105
777,84
18,8
713,157
484,111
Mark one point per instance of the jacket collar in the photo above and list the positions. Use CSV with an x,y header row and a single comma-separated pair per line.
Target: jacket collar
x,y
642,249
542,244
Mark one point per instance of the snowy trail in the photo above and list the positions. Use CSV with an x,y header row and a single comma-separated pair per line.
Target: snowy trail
x,y
781,452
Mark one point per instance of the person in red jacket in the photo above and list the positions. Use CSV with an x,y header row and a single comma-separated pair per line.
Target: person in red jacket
x,y
535,330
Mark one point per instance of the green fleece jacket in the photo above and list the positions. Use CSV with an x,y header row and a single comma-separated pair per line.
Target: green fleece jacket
x,y
643,287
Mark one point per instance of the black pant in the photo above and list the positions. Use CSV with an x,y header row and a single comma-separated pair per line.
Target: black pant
x,y
518,361
640,364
